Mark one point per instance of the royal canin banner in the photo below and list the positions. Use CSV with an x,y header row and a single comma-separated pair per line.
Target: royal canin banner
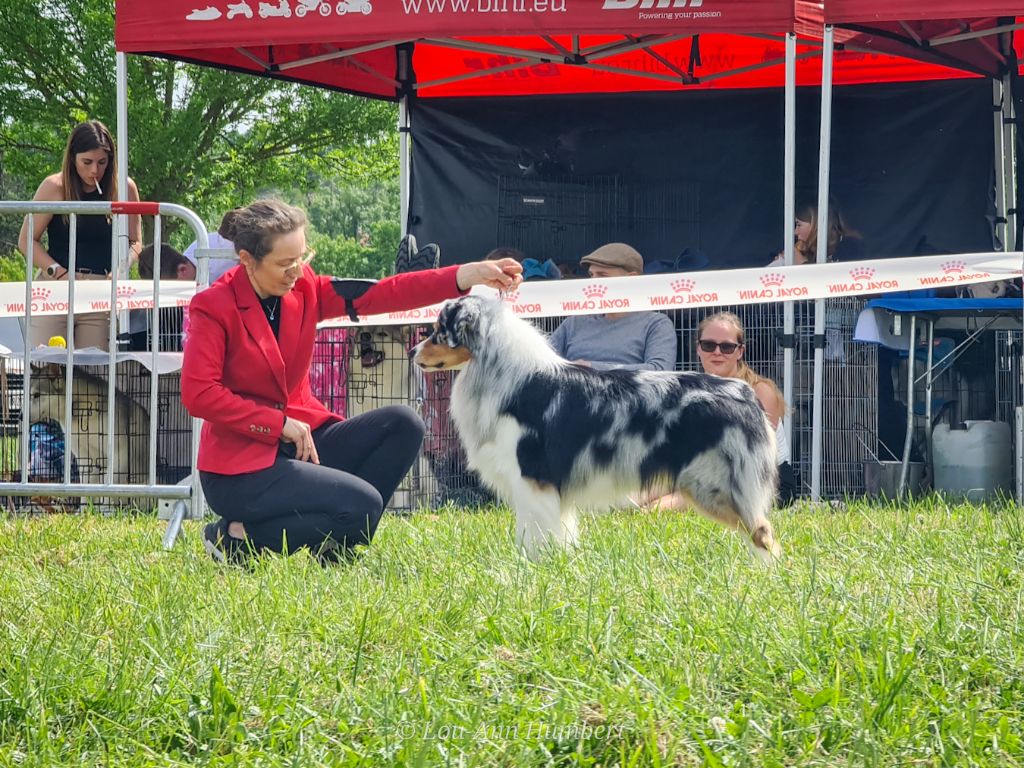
x,y
557,298
182,25
50,297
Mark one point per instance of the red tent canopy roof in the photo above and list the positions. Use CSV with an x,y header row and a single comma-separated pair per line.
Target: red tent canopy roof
x,y
531,47
868,11
199,24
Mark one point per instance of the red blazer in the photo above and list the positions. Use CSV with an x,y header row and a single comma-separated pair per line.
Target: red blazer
x,y
243,382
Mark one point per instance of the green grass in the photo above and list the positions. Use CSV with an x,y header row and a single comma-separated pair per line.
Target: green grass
x,y
888,636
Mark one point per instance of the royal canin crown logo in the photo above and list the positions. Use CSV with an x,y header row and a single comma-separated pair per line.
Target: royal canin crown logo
x,y
683,286
625,5
41,294
956,266
125,291
772,279
862,273
595,291
511,297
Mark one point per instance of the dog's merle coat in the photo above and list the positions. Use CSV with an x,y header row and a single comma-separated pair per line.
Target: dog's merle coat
x,y
548,435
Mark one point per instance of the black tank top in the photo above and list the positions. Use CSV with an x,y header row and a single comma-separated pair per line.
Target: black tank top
x,y
92,247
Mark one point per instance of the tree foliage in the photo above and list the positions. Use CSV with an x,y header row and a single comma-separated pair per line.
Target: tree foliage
x,y
200,137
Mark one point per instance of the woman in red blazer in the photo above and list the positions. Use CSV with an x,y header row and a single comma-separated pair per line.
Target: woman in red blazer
x,y
281,470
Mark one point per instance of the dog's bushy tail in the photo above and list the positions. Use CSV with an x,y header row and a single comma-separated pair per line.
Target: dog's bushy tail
x,y
755,482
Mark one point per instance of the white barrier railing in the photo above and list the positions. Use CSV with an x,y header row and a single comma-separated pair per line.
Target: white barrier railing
x,y
117,295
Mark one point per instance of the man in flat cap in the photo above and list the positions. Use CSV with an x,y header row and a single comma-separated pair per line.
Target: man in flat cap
x,y
633,341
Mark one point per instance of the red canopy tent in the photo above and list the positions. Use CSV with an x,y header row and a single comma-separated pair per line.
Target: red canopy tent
x,y
522,47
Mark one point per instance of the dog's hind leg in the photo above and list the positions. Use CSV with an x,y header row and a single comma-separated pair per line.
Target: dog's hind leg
x,y
540,520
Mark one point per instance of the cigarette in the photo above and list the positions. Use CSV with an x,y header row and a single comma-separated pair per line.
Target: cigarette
x,y
98,188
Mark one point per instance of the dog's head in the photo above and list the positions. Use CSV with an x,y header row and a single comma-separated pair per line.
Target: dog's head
x,y
457,333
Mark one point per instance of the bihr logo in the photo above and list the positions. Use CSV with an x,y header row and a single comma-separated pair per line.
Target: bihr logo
x,y
954,271
595,299
625,5
773,283
684,291
862,282
663,9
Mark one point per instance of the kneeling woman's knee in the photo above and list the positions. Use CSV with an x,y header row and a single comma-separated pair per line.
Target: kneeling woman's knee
x,y
406,421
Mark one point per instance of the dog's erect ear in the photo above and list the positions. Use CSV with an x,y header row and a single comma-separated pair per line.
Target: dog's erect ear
x,y
458,325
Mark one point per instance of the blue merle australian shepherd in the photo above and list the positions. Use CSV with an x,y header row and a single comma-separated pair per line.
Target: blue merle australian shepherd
x,y
549,435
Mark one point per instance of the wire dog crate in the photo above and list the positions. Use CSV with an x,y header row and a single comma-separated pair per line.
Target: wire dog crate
x,y
84,440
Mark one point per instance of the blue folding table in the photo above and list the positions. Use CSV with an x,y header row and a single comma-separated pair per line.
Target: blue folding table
x,y
881,322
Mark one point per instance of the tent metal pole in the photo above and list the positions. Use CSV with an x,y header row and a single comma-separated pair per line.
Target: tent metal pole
x,y
121,245
121,222
788,217
404,156
998,169
122,125
404,160
824,154
1009,157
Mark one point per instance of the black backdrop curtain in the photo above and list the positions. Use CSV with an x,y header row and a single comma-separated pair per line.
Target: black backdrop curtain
x,y
557,177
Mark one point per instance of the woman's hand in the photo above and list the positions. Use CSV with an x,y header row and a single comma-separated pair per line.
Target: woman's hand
x,y
503,274
299,433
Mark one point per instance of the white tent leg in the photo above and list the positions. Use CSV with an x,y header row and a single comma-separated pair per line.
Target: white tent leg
x,y
122,126
1009,162
824,153
121,222
788,217
404,166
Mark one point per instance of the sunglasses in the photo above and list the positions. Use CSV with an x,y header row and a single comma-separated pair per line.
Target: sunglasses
x,y
727,347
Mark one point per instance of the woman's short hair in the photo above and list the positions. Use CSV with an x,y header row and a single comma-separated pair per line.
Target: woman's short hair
x,y
255,227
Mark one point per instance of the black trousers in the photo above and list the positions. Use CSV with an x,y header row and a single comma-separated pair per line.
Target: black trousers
x,y
296,504
787,485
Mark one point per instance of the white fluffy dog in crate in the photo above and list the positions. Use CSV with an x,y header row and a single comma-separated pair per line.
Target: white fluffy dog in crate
x,y
87,433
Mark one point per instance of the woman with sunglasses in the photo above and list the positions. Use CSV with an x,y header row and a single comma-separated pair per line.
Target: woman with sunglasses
x,y
720,347
281,471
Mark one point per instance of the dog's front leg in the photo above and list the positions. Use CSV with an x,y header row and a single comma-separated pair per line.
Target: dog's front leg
x,y
539,520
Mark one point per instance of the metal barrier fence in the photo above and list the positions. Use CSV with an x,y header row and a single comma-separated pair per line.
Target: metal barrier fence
x,y
129,439
109,427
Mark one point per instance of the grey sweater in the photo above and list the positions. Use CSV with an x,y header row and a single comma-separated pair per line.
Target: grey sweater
x,y
639,341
